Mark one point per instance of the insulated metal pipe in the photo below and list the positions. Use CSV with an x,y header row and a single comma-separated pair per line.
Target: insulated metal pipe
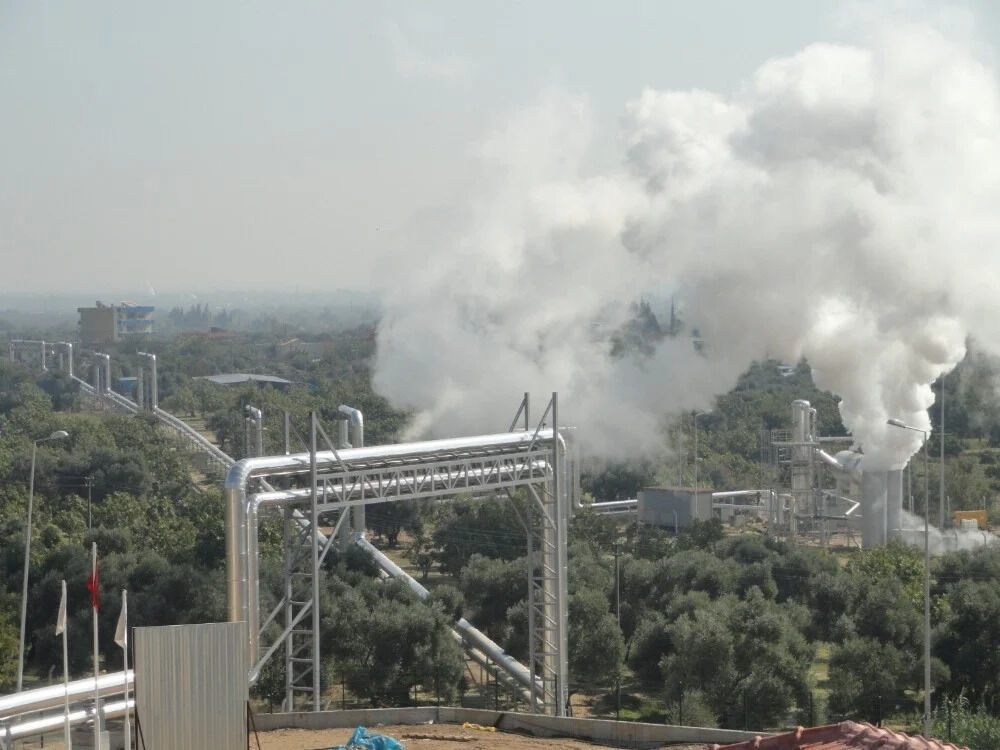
x,y
356,420
801,460
873,507
51,696
829,460
894,504
242,473
69,357
154,397
357,423
255,417
469,632
106,385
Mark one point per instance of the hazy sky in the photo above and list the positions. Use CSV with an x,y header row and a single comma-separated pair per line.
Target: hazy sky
x,y
203,145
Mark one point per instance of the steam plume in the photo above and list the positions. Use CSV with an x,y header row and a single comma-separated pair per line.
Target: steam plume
x,y
841,206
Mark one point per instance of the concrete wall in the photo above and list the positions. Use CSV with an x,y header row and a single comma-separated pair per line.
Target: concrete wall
x,y
617,733
665,506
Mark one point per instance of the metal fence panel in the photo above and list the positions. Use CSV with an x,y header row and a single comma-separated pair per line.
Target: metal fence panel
x,y
191,686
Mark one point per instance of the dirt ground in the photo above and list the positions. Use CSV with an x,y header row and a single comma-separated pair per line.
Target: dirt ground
x,y
441,737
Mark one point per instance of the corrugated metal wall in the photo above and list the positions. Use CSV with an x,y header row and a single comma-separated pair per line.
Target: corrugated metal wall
x,y
191,686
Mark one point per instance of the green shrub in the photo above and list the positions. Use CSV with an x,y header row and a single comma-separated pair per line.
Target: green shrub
x,y
958,723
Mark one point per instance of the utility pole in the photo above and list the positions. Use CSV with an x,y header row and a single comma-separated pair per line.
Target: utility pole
x,y
941,487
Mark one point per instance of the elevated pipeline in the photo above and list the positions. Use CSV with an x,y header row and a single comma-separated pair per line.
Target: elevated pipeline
x,y
240,584
465,631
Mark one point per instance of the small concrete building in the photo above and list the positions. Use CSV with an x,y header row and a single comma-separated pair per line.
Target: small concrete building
x,y
674,507
98,324
106,324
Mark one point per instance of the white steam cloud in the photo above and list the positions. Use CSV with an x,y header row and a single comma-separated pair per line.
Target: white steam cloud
x,y
944,542
842,206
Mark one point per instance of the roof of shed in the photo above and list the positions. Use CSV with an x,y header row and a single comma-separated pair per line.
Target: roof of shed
x,y
847,735
231,378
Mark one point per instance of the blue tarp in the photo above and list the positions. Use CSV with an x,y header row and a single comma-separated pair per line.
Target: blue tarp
x,y
369,741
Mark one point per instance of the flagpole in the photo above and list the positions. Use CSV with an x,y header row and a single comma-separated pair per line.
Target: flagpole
x,y
97,692
124,644
66,735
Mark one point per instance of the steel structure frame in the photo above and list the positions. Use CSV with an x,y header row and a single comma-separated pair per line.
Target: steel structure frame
x,y
536,464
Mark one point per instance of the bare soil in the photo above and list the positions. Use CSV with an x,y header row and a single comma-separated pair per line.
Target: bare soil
x,y
432,737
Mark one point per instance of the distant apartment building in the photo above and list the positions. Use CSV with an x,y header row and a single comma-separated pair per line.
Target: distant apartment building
x,y
106,324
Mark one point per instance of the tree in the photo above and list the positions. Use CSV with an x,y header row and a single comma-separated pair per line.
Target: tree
x,y
701,655
832,597
865,672
491,587
385,642
894,561
387,520
750,659
8,643
596,645
476,528
615,481
653,638
969,641
422,554
966,482
594,529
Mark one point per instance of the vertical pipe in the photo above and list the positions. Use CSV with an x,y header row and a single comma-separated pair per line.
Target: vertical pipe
x,y
288,445
358,520
286,547
253,581
894,504
44,368
154,393
344,441
801,462
69,354
314,532
529,524
139,388
562,614
527,397
874,492
909,485
357,439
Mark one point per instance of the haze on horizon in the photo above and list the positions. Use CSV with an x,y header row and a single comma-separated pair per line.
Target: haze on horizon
x,y
233,146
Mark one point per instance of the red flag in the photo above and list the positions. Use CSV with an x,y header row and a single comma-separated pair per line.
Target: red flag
x,y
92,586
